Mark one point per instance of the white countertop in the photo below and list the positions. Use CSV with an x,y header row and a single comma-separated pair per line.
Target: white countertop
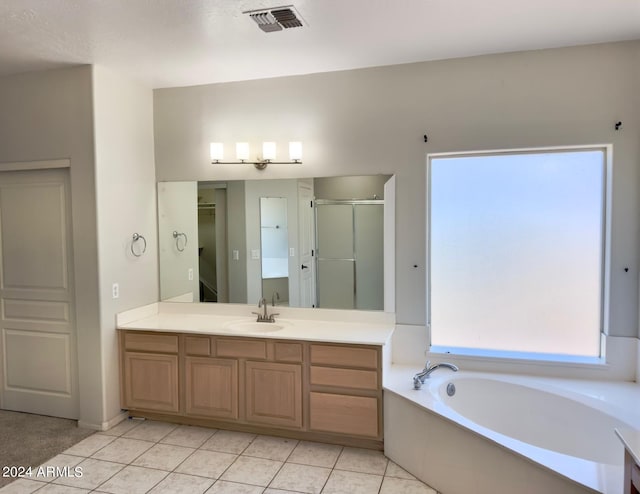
x,y
323,325
631,440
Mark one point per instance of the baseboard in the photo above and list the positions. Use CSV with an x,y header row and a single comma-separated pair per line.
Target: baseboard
x,y
104,426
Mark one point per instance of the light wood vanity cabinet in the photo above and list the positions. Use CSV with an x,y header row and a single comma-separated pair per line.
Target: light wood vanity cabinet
x,y
326,392
273,394
150,378
211,387
345,390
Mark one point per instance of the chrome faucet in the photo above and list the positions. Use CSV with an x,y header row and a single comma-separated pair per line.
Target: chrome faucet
x,y
265,316
418,379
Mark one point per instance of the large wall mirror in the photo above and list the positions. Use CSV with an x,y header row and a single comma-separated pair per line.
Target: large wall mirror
x,y
316,242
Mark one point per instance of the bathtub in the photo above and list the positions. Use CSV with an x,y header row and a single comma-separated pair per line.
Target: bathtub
x,y
503,433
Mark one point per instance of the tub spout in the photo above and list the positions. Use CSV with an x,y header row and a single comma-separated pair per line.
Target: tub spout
x,y
418,379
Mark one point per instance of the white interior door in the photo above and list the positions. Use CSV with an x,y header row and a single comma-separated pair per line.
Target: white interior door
x,y
306,232
37,333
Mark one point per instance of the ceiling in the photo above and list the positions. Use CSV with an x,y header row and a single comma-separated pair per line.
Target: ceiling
x,y
165,43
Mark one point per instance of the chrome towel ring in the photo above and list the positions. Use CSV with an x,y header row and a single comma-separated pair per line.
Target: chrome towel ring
x,y
177,236
136,237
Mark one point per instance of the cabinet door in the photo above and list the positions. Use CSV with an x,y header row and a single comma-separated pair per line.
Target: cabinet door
x,y
151,381
212,387
274,394
352,415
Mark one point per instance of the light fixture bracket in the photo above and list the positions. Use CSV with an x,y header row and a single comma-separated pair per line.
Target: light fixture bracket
x,y
259,164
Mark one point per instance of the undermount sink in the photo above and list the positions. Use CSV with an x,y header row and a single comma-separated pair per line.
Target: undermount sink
x,y
255,327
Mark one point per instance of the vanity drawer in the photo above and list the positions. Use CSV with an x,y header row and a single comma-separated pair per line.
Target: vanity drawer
x,y
197,345
288,352
244,348
344,378
344,356
163,343
353,415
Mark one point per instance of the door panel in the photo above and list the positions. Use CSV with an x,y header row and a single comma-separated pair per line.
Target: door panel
x,y
369,241
37,326
38,362
33,237
306,231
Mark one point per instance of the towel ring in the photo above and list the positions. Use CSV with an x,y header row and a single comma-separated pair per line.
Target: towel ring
x,y
136,237
177,235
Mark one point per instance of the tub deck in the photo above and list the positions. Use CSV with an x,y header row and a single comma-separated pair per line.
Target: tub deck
x,y
452,453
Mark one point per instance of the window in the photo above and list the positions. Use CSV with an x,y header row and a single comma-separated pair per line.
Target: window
x,y
516,249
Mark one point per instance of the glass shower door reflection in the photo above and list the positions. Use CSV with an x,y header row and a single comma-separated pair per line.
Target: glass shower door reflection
x,y
350,254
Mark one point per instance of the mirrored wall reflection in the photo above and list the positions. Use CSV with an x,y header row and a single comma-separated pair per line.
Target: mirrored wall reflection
x,y
307,242
274,241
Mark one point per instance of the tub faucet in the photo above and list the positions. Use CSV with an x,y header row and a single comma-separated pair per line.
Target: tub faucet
x,y
264,316
418,379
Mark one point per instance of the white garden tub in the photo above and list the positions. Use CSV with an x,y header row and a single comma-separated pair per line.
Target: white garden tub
x,y
504,433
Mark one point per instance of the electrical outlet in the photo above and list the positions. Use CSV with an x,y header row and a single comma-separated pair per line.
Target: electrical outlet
x,y
255,254
190,274
236,255
115,290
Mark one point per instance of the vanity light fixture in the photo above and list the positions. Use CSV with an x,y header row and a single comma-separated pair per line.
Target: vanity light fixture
x,y
268,154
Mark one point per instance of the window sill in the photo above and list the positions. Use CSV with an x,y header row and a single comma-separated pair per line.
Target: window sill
x,y
525,358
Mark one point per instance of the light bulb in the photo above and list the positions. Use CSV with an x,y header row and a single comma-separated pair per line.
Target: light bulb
x,y
268,150
217,151
295,151
242,151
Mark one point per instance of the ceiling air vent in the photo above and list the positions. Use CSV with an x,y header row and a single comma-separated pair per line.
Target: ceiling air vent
x,y
276,18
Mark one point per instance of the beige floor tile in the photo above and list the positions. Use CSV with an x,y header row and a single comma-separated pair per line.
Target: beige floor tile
x,y
21,486
178,483
122,450
280,491
133,480
94,473
123,427
352,483
188,436
316,454
254,471
362,460
62,489
395,471
393,486
271,448
163,457
90,445
229,442
150,430
224,487
210,464
301,478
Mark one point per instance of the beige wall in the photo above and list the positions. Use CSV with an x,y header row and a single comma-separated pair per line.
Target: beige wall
x,y
126,204
47,115
359,187
372,121
237,240
178,211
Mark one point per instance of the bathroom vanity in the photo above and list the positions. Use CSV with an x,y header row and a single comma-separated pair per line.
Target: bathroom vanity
x,y
313,374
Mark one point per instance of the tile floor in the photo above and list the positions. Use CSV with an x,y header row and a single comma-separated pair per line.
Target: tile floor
x,y
137,457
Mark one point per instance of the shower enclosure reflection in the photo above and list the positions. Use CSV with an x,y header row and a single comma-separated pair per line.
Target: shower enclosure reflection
x,y
316,242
